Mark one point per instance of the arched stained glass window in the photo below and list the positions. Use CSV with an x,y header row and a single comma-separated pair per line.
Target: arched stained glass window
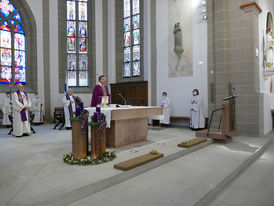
x,y
131,42
12,45
77,43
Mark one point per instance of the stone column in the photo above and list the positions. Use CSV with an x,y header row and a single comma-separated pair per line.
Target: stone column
x,y
232,43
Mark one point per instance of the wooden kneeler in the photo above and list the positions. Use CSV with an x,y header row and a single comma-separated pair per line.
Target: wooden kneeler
x,y
192,142
138,161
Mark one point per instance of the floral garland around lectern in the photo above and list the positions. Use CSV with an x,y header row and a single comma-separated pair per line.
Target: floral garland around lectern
x,y
80,154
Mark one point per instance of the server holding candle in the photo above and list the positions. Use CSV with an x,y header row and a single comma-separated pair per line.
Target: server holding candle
x,y
100,95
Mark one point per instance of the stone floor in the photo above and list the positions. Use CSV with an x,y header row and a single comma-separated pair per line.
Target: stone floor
x,y
33,173
253,187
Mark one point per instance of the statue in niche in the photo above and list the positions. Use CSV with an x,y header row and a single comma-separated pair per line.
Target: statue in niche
x,y
178,48
269,48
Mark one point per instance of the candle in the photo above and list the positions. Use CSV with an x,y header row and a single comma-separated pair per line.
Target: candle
x,y
78,111
98,109
81,105
96,116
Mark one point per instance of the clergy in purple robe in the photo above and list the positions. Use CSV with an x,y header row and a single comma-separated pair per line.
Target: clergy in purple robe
x,y
99,91
21,104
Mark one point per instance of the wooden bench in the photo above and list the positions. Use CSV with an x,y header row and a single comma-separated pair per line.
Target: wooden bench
x,y
182,118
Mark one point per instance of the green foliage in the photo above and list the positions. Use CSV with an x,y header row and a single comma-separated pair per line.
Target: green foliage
x,y
77,119
93,124
107,156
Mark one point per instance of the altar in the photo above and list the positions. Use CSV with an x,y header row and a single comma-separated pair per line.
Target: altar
x,y
127,124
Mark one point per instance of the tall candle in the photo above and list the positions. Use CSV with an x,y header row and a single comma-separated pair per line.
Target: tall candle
x,y
78,111
98,109
81,105
96,116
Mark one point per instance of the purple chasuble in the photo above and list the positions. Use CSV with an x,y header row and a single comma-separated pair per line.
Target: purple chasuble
x,y
70,106
98,94
23,111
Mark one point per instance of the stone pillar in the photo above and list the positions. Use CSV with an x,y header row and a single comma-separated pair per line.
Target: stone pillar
x,y
233,37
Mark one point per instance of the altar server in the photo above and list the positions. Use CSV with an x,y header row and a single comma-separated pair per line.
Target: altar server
x,y
165,103
100,92
36,108
21,104
197,119
6,109
69,107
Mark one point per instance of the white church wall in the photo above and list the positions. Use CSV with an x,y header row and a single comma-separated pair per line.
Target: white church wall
x,y
56,97
266,6
99,37
180,88
147,46
111,42
36,7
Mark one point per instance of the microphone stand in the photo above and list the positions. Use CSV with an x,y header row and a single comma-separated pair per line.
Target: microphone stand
x,y
125,101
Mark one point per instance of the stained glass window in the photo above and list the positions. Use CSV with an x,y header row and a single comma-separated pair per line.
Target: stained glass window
x,y
12,45
131,41
77,43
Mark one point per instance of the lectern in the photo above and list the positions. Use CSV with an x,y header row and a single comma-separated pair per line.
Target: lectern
x,y
227,124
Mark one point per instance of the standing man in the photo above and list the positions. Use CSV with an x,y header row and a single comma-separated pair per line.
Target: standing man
x,y
165,103
69,108
36,107
100,91
21,105
6,109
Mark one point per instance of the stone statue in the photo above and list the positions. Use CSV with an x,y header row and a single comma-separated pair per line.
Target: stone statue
x,y
269,48
178,48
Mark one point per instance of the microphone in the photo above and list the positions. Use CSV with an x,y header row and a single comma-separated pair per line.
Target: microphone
x,y
234,90
123,98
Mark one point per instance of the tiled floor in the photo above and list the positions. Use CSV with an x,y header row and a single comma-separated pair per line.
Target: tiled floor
x,y
255,187
33,173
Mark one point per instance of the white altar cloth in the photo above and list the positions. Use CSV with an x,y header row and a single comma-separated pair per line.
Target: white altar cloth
x,y
107,111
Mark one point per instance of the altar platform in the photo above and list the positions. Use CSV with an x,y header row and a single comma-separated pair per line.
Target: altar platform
x,y
33,172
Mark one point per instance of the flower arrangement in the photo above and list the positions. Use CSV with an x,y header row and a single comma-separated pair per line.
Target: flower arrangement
x,y
107,156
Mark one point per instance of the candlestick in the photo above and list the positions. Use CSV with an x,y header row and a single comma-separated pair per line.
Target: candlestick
x,y
98,109
78,111
96,116
105,101
81,105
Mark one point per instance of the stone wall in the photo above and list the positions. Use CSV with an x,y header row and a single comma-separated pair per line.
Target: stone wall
x,y
232,43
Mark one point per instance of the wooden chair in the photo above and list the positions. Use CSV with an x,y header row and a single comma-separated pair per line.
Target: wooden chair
x,y
30,119
59,117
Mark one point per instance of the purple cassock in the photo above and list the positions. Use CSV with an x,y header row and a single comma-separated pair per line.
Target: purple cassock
x,y
98,92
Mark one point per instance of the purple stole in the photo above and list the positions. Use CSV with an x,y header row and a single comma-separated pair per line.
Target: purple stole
x,y
23,111
70,106
41,112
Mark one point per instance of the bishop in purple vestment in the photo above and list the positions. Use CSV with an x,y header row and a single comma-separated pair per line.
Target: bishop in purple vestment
x,y
99,91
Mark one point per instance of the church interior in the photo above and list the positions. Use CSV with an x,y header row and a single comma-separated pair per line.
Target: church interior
x,y
136,102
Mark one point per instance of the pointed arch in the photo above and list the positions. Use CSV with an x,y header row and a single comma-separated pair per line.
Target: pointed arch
x,y
18,16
